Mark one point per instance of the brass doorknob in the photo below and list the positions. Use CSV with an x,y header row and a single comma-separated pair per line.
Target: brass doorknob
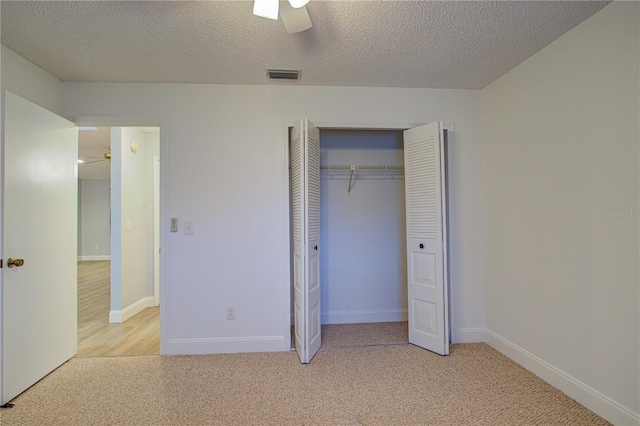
x,y
11,262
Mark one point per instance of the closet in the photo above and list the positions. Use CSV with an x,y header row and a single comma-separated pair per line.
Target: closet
x,y
368,232
363,257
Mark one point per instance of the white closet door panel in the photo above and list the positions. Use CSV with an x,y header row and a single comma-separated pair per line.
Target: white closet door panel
x,y
299,255
312,148
305,205
426,237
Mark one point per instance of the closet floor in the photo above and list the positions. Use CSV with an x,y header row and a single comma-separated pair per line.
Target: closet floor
x,y
365,334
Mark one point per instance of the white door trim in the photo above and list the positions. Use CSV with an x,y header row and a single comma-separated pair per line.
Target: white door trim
x,y
156,230
287,319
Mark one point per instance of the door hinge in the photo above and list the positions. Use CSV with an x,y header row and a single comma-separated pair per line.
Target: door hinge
x,y
1,261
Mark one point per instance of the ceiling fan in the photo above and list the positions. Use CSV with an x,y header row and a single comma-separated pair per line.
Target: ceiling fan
x,y
293,13
105,157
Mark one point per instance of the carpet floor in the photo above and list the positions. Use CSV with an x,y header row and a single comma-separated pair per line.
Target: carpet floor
x,y
377,385
365,334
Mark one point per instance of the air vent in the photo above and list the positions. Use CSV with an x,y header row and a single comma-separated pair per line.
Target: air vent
x,y
283,74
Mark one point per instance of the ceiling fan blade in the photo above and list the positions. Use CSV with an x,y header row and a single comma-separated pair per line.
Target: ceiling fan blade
x,y
266,9
294,20
298,3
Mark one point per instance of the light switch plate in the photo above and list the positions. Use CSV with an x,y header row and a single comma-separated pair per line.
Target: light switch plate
x,y
188,228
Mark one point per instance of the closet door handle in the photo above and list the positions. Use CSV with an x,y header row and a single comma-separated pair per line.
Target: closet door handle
x,y
421,245
316,248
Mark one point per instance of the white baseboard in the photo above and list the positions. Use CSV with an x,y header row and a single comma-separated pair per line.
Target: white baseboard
x,y
595,401
119,316
97,257
224,345
468,335
352,317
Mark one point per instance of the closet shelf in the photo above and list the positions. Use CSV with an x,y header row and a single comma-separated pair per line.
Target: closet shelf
x,y
363,168
354,168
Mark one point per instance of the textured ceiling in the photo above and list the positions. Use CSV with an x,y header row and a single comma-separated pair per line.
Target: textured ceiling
x,y
451,44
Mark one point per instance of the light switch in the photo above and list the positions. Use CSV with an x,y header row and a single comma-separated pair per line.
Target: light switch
x,y
174,224
188,228
128,225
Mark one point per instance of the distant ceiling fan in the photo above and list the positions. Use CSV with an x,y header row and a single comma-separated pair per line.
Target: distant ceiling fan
x,y
293,13
105,157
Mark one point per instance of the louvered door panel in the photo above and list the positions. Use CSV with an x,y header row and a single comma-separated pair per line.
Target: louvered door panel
x,y
313,222
421,189
426,236
305,210
297,225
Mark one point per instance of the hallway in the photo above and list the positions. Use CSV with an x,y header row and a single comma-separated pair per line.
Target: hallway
x,y
139,335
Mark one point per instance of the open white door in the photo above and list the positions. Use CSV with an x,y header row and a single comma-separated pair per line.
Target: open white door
x,y
39,298
305,204
425,193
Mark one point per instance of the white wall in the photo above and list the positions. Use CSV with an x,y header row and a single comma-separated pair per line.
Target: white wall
x,y
117,224
79,236
224,169
151,149
363,261
132,220
560,138
135,218
95,217
29,81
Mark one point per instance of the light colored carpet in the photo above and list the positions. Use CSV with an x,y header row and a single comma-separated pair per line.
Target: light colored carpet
x,y
365,334
384,385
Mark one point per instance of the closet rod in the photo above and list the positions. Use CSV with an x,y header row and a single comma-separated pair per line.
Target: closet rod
x,y
352,168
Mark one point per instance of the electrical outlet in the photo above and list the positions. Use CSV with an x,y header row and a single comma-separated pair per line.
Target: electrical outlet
x,y
231,312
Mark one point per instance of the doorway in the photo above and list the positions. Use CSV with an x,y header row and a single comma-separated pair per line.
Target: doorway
x,y
362,237
366,245
39,298
118,302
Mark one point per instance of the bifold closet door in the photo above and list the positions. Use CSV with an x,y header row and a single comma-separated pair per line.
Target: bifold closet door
x,y
305,205
426,237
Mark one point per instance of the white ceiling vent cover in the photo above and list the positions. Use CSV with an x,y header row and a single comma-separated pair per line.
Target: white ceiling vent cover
x,y
283,74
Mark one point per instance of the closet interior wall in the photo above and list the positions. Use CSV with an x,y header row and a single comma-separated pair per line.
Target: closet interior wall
x,y
362,228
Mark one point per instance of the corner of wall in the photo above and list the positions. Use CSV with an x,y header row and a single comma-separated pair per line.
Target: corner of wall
x,y
29,81
586,395
119,316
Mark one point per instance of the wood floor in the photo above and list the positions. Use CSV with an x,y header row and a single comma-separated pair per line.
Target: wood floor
x,y
139,335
